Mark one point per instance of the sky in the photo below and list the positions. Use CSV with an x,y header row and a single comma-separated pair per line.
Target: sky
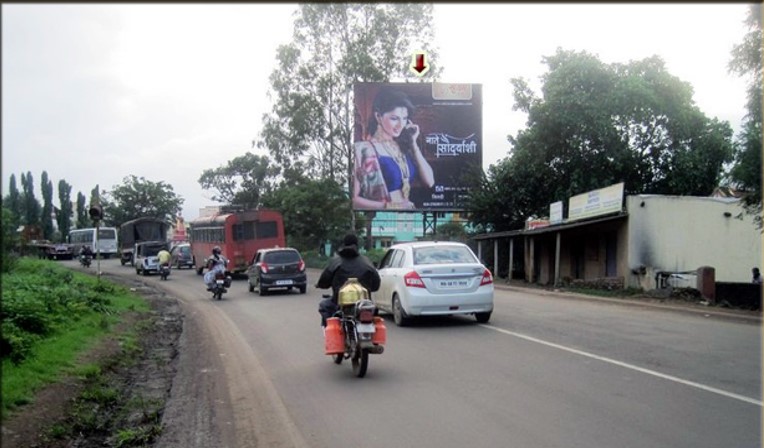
x,y
95,93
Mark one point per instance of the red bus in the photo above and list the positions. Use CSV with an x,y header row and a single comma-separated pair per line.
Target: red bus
x,y
240,234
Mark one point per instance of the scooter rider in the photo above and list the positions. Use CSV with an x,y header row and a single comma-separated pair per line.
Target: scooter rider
x,y
216,263
164,257
348,264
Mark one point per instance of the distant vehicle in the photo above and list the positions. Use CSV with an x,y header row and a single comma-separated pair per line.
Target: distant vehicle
x,y
146,259
240,234
52,251
431,278
107,240
277,268
181,256
138,231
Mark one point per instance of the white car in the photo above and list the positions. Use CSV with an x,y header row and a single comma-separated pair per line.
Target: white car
x,y
433,278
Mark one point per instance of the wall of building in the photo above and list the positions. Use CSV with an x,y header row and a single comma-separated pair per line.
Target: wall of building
x,y
681,233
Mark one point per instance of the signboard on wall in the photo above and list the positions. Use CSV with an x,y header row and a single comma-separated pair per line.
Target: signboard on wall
x,y
413,145
555,212
596,202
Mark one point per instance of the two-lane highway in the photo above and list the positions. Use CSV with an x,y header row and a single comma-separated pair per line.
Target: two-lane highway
x,y
544,372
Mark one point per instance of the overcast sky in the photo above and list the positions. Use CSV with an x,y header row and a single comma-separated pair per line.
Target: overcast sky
x,y
94,93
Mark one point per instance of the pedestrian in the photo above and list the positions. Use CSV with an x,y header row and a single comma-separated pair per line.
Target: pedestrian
x,y
756,276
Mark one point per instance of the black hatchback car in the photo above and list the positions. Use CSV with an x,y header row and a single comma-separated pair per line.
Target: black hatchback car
x,y
277,268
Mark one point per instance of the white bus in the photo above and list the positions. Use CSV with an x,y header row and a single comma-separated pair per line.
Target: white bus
x,y
107,240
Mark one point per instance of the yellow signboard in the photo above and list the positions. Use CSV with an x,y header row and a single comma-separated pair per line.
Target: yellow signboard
x,y
596,202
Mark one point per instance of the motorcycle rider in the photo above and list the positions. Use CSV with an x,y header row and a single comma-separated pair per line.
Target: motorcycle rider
x,y
216,263
348,263
85,251
164,257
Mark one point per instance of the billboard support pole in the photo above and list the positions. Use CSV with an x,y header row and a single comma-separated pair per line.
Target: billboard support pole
x,y
429,224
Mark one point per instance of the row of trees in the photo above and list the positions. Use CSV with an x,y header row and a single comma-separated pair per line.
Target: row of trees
x,y
23,208
135,197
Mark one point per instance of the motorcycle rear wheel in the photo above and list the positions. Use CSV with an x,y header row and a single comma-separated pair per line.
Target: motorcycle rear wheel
x,y
360,363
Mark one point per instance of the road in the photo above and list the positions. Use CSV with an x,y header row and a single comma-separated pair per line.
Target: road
x,y
547,371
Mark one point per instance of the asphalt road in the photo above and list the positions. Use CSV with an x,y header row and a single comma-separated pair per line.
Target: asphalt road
x,y
547,371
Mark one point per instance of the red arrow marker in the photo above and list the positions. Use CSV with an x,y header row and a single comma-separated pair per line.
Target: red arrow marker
x,y
419,65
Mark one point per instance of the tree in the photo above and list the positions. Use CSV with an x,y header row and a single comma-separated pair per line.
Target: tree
x,y
46,220
82,213
599,124
243,181
64,213
747,61
13,203
314,211
29,203
138,197
309,129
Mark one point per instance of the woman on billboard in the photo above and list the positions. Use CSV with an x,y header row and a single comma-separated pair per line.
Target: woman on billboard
x,y
389,161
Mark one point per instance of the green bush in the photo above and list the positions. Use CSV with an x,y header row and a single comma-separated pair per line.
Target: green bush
x,y
39,297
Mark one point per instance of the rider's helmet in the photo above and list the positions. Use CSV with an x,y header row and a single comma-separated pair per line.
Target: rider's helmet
x,y
216,250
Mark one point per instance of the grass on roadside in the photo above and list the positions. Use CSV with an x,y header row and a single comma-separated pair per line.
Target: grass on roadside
x,y
75,329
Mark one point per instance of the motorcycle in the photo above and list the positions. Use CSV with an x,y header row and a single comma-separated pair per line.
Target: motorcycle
x,y
220,282
354,333
164,271
221,285
85,260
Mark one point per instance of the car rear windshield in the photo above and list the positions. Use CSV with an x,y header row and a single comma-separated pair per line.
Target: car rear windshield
x,y
282,257
443,254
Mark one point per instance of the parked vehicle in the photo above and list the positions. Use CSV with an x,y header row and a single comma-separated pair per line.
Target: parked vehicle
x,y
277,268
137,231
240,234
51,251
146,260
355,331
181,256
431,278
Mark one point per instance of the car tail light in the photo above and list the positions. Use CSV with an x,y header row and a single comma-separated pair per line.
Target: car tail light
x,y
264,267
413,280
301,266
487,278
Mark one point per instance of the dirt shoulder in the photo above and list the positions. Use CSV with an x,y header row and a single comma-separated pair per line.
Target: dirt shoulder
x,y
140,380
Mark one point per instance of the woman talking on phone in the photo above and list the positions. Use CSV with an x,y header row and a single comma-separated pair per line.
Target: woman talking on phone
x,y
390,160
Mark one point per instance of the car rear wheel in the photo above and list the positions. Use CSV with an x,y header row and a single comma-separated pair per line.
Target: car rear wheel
x,y
399,315
260,290
303,289
483,317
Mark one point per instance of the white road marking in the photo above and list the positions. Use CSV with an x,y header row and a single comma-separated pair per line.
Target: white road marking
x,y
628,366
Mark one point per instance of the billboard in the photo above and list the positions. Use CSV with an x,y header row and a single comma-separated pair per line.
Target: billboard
x,y
413,143
596,202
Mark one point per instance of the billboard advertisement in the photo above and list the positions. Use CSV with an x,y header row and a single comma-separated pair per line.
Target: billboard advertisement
x,y
596,202
413,143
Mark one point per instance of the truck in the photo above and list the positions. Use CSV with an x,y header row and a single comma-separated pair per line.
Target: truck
x,y
138,231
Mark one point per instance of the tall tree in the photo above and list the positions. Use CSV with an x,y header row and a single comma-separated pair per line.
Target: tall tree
x,y
138,197
83,220
334,45
747,62
314,211
13,203
243,181
46,220
64,213
29,202
598,124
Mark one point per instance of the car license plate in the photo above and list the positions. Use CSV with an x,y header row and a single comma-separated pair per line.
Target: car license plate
x,y
453,284
283,282
219,282
365,328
